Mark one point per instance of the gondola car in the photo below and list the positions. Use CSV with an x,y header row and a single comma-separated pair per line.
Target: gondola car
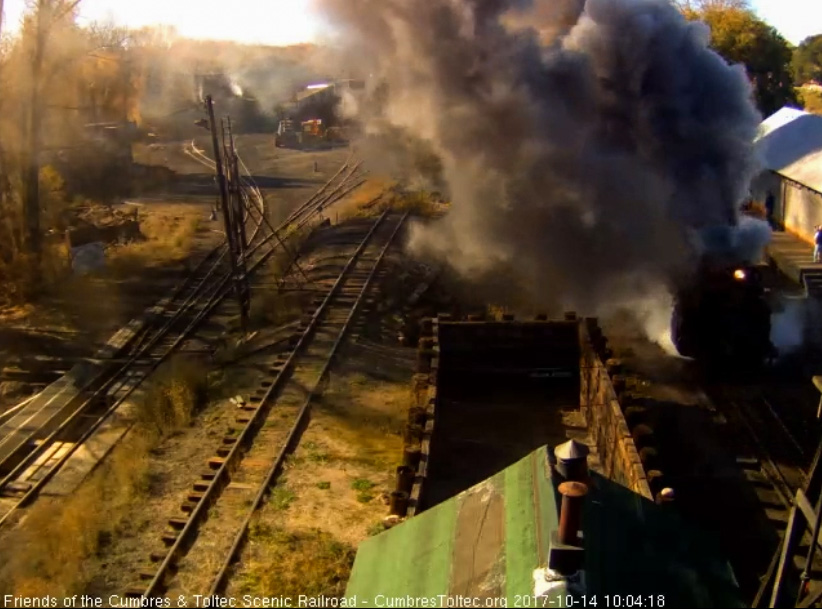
x,y
722,316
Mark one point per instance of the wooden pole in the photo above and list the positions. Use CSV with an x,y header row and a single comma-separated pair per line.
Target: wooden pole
x,y
221,180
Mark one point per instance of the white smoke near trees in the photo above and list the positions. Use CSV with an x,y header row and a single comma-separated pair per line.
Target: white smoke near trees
x,y
577,140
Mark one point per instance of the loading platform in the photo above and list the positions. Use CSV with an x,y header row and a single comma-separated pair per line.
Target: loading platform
x,y
793,256
44,414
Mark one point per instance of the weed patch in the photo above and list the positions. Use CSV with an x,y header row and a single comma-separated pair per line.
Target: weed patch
x,y
375,529
276,308
365,497
282,498
287,564
179,388
361,484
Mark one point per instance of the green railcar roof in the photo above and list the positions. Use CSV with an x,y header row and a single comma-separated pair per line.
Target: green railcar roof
x,y
488,541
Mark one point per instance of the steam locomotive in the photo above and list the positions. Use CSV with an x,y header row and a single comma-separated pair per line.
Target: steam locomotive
x,y
721,316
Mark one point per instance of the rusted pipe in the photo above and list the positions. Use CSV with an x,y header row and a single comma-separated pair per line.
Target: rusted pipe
x,y
570,515
416,416
411,456
398,503
405,478
413,434
423,362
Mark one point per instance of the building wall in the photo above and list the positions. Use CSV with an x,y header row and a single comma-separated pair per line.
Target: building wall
x,y
769,182
615,445
796,209
803,209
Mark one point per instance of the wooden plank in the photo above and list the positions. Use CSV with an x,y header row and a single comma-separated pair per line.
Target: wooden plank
x,y
767,581
789,544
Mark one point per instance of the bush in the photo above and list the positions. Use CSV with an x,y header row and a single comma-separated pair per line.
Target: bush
x,y
278,308
178,389
418,203
811,100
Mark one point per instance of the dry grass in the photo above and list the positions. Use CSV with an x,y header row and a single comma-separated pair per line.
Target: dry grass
x,y
56,544
309,562
417,203
364,202
335,494
272,307
167,238
178,389
21,279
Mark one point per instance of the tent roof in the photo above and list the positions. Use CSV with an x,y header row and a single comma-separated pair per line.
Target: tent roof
x,y
790,143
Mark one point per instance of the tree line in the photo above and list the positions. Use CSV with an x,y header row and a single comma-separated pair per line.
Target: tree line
x,y
64,89
776,68
58,78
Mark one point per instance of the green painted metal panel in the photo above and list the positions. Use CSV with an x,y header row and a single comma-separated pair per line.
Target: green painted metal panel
x,y
413,559
521,555
633,547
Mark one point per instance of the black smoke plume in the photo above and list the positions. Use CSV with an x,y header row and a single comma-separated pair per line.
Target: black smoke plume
x,y
579,141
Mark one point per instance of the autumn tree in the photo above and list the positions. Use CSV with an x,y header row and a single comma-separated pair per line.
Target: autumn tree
x,y
740,37
807,60
56,78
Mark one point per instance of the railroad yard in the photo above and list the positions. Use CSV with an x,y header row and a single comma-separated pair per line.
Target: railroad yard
x,y
453,314
246,396
193,456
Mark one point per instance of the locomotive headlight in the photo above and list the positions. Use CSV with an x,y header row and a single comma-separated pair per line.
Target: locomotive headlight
x,y
739,275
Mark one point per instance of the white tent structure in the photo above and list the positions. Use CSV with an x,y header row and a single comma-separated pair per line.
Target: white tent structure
x,y
789,146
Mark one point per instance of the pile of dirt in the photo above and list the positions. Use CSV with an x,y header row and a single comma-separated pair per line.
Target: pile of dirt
x,y
104,224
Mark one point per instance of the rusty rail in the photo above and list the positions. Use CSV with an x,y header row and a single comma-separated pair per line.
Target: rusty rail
x,y
292,440
185,534
212,296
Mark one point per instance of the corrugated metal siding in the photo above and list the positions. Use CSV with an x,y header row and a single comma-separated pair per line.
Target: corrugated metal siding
x,y
803,210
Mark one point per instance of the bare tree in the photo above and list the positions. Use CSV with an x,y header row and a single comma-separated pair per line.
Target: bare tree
x,y
46,14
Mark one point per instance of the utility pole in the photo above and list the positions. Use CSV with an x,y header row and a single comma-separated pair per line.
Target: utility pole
x,y
230,233
239,225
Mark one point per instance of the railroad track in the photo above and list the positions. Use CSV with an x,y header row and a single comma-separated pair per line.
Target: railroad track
x,y
786,467
779,458
777,467
35,452
252,453
766,459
